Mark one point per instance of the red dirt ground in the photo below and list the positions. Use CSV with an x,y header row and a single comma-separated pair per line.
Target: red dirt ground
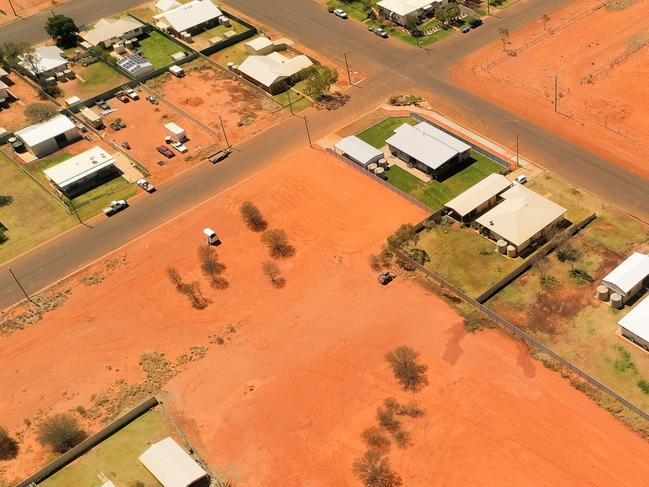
x,y
13,118
598,58
24,8
145,131
285,401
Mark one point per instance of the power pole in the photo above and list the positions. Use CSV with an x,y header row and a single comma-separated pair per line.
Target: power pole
x,y
349,75
224,134
19,285
308,134
290,103
517,164
13,8
556,93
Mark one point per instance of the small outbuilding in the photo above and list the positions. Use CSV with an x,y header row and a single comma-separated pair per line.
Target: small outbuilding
x,y
49,136
176,132
135,65
479,197
91,117
358,151
635,324
82,172
171,465
628,278
259,46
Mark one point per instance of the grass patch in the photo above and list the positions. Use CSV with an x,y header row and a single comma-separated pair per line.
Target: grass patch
x,y
406,37
98,77
117,456
234,54
32,217
98,198
379,133
205,36
158,49
299,101
354,9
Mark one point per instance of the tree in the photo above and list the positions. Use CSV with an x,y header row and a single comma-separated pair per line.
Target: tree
x,y
420,256
272,272
404,236
61,432
332,5
453,11
441,15
10,51
174,277
545,18
253,217
39,112
374,470
8,445
406,369
318,81
504,32
211,267
6,200
368,8
376,440
277,242
63,30
412,26
569,253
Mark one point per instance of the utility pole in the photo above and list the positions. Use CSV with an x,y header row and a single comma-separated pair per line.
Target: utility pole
x,y
74,208
19,285
517,164
488,2
290,103
349,75
224,134
556,95
308,134
13,8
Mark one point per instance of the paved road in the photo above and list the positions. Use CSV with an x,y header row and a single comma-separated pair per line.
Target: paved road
x,y
391,66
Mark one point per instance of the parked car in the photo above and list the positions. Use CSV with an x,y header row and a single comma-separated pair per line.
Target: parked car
x,y
220,156
340,13
465,29
123,98
102,104
210,236
384,278
165,151
381,33
115,206
131,93
146,185
179,146
370,28
522,179
152,99
475,23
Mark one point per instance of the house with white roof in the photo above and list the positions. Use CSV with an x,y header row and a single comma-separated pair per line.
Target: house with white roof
x,y
398,11
522,218
171,465
274,72
107,32
191,17
478,198
45,61
82,172
427,148
358,151
49,136
4,91
259,46
164,5
628,278
635,324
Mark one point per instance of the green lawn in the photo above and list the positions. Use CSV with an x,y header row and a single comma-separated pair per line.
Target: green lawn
x,y
117,456
379,133
299,101
158,49
354,9
34,215
436,193
99,77
233,54
406,37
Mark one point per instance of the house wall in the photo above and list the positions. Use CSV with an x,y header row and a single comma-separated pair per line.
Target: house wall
x,y
435,173
89,182
351,158
635,338
50,145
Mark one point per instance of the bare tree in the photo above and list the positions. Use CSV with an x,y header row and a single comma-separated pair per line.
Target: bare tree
x,y
195,295
406,368
376,440
272,272
374,470
211,267
545,18
277,242
174,277
253,217
504,32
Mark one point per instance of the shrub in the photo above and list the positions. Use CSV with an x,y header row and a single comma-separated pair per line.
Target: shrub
x,y
8,446
253,217
404,236
411,409
406,369
644,386
387,420
174,277
375,262
401,438
194,294
272,272
6,200
39,112
376,440
277,242
405,264
61,432
332,5
374,470
420,256
211,267
386,256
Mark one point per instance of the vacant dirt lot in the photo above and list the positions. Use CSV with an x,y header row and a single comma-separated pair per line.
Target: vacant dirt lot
x,y
24,8
13,117
597,53
207,93
301,368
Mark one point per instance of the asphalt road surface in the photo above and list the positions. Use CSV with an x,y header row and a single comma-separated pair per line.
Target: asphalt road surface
x,y
390,67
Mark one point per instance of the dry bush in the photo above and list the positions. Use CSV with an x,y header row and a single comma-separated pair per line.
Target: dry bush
x,y
375,439
211,267
375,263
8,446
61,432
272,272
253,217
387,420
411,409
401,438
195,295
174,277
277,242
374,470
406,369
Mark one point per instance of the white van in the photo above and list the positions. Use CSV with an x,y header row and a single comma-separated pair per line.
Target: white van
x,y
177,71
210,236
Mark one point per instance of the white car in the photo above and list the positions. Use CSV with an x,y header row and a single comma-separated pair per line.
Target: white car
x,y
132,94
146,185
115,206
340,13
179,147
522,179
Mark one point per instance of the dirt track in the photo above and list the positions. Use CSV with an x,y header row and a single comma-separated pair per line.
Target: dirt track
x,y
304,371
598,56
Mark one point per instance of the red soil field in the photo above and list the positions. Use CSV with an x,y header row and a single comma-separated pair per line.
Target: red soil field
x,y
284,400
24,8
599,56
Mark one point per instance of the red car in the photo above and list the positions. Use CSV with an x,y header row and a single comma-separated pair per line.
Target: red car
x,y
165,151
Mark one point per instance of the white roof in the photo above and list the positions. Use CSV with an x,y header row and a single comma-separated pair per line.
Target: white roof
x,y
108,484
46,58
404,7
90,114
171,465
479,193
3,72
443,137
273,67
79,167
259,43
420,145
629,273
110,28
40,132
164,5
522,215
173,128
358,149
190,14
637,320
3,86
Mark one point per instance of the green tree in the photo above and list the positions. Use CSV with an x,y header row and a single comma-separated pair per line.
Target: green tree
x,y
569,253
412,26
63,30
405,236
453,11
319,79
368,8
441,15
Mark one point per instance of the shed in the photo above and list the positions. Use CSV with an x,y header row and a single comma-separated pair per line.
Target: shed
x,y
171,465
176,132
164,5
135,65
72,100
91,117
635,324
628,278
259,46
479,197
46,137
81,172
358,150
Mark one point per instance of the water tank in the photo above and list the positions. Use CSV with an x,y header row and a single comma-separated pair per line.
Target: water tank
x,y
372,167
616,301
380,172
602,293
501,246
382,163
511,251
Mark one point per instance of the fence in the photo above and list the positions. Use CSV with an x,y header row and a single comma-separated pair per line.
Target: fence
x,y
523,335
